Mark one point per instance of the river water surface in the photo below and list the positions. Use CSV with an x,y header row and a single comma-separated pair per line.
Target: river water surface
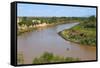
x,y
46,39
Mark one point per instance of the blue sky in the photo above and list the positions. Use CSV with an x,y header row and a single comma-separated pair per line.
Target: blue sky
x,y
49,10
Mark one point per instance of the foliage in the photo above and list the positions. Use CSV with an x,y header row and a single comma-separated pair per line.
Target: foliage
x,y
50,58
25,21
48,20
84,33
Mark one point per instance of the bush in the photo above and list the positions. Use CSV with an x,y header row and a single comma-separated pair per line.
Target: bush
x,y
49,58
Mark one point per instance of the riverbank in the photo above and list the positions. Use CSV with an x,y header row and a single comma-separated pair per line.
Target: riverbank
x,y
19,32
25,28
31,28
80,34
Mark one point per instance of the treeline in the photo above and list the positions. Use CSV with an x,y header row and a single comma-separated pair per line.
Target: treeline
x,y
84,33
48,20
90,22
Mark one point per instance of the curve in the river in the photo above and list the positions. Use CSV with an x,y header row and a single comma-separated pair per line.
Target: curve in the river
x,y
34,44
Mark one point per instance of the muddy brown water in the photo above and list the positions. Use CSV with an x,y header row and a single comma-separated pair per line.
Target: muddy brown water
x,y
34,44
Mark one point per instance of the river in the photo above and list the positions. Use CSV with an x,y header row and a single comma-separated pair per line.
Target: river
x,y
46,39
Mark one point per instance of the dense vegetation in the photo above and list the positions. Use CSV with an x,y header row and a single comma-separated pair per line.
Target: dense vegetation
x,y
51,58
47,20
83,33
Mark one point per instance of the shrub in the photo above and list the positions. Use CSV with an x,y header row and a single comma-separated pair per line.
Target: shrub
x,y
49,58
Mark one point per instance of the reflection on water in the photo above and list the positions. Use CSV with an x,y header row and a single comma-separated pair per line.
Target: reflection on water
x,y
34,44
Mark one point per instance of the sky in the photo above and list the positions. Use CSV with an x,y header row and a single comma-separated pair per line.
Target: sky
x,y
53,10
